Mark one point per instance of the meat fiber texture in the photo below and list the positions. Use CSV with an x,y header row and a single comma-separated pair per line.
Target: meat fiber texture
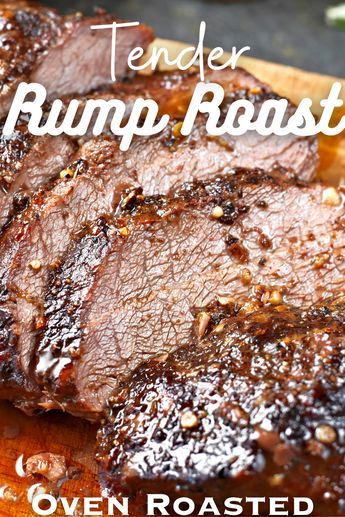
x,y
29,163
167,257
108,261
254,408
68,58
173,92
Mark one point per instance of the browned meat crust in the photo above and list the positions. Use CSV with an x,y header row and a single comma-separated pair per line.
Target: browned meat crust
x,y
174,90
54,220
256,408
28,163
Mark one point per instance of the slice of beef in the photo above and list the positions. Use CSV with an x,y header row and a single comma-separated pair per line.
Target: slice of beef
x,y
255,409
221,238
168,159
28,163
175,89
62,53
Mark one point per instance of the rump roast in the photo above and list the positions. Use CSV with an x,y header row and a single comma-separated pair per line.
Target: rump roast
x,y
164,258
173,92
37,240
67,57
254,409
26,164
168,287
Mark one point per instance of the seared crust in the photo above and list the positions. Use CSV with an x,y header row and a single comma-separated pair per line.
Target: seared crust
x,y
34,246
256,408
173,92
27,31
28,163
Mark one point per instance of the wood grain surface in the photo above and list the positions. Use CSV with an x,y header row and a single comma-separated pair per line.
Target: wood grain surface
x,y
73,438
56,433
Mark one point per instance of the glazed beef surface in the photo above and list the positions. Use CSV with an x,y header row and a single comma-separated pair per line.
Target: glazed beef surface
x,y
35,243
67,57
169,256
62,53
28,163
52,222
174,89
255,408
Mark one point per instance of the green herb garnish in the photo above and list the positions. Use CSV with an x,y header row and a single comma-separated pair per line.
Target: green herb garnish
x,y
335,16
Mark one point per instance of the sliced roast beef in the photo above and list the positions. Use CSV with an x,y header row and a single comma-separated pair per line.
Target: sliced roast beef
x,y
255,409
36,241
170,256
52,223
62,53
28,163
174,89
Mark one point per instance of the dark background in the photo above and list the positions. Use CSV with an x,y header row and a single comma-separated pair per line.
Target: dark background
x,y
286,31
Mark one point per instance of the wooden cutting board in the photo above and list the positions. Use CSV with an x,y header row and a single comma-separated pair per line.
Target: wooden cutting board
x,y
73,438
55,433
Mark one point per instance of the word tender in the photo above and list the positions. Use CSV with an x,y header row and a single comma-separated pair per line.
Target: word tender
x,y
182,61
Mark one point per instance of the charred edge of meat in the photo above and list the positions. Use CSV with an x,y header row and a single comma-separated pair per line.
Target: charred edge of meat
x,y
30,32
218,190
10,371
12,150
260,402
25,206
62,331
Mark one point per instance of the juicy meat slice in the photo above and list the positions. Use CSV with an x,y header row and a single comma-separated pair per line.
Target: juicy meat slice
x,y
166,160
298,155
174,89
62,53
256,408
28,163
38,240
33,245
170,256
